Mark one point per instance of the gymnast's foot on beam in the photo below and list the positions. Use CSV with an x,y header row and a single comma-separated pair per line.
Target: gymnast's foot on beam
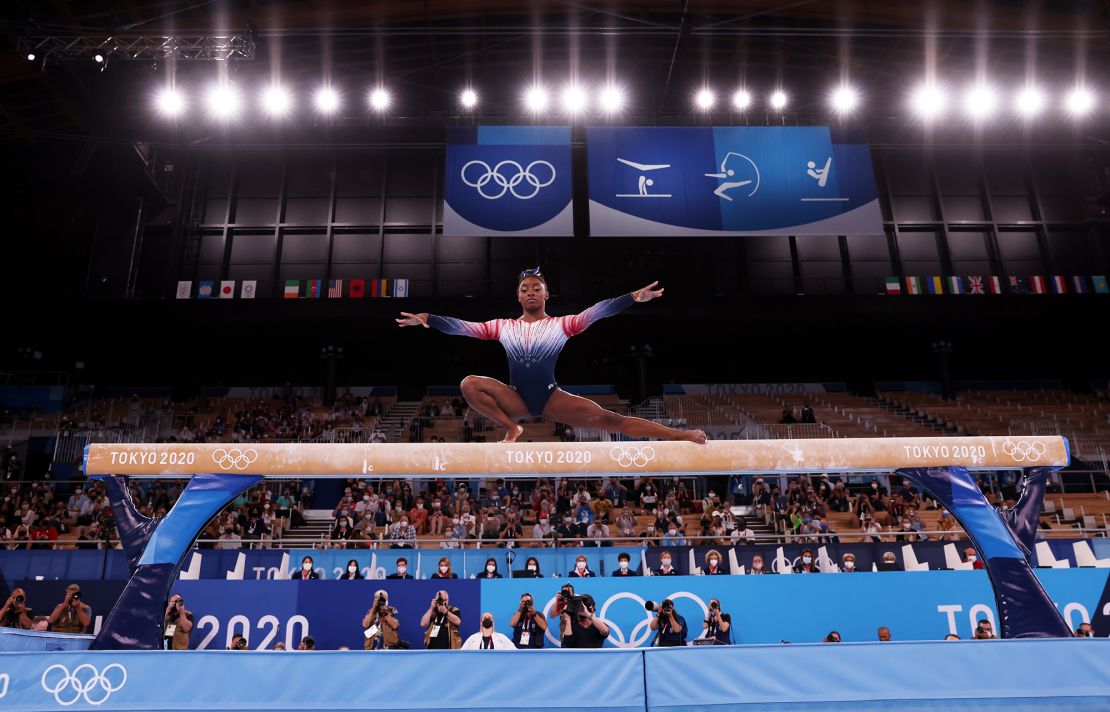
x,y
514,432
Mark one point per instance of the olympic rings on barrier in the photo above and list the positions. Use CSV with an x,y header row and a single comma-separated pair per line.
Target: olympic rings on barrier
x,y
1024,450
508,184
234,458
630,455
71,687
641,632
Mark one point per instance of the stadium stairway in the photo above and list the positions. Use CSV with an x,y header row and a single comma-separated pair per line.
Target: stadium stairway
x,y
394,422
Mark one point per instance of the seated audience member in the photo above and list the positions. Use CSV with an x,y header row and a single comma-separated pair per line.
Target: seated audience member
x,y
441,624
581,568
307,572
674,536
870,529
72,615
487,638
585,630
402,571
972,557
531,569
491,570
598,534
418,515
713,565
542,532
671,626
757,566
832,637
884,634
889,562
352,573
948,527
806,564
177,624
15,613
379,625
528,624
665,568
443,570
624,566
742,534
848,563
717,625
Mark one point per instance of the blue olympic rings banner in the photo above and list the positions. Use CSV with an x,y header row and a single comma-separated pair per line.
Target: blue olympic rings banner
x,y
509,180
730,180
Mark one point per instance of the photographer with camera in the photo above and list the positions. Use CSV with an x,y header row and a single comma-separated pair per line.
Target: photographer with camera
x,y
379,625
487,638
71,615
441,624
177,624
15,613
717,625
671,626
580,628
528,624
238,642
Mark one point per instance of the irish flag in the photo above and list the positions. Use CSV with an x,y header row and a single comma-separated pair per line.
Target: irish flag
x,y
913,285
292,288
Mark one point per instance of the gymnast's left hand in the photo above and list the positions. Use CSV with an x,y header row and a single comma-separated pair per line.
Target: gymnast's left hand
x,y
647,293
413,319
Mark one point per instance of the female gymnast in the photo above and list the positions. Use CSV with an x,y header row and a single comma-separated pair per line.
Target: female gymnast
x,y
532,344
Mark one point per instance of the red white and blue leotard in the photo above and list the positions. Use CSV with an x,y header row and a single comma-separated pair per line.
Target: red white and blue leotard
x,y
532,346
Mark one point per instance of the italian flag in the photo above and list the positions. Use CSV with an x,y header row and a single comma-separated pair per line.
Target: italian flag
x,y
913,285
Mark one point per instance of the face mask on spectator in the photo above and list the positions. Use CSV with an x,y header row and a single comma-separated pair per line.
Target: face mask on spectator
x,y
971,557
713,562
402,569
581,565
672,531
435,505
757,565
487,623
404,523
807,559
849,565
666,562
365,498
443,568
624,565
455,522
307,566
352,569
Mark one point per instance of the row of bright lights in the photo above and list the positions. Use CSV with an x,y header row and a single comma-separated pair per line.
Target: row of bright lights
x,y
928,101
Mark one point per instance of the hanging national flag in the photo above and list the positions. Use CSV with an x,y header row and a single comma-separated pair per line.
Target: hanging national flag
x,y
250,286
956,285
292,288
1079,284
379,288
893,285
227,289
1060,284
335,289
184,290
975,284
206,289
1037,285
313,289
913,285
357,289
995,284
1098,281
400,288
1017,286
935,285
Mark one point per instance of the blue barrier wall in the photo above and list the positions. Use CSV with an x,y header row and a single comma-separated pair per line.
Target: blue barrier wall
x,y
1009,675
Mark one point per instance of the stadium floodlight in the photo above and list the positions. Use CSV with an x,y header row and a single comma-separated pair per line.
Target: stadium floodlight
x,y
170,102
535,99
611,99
223,101
380,99
741,99
1079,101
705,99
326,100
573,99
30,56
468,98
1029,102
844,99
928,101
980,101
778,100
276,101
98,58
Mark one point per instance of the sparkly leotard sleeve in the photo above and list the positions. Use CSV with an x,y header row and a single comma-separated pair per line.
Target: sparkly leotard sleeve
x,y
532,347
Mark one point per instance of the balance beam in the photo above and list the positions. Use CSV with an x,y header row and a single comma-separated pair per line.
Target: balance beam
x,y
431,460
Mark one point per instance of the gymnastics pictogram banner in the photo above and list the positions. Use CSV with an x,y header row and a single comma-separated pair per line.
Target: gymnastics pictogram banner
x,y
508,180
730,180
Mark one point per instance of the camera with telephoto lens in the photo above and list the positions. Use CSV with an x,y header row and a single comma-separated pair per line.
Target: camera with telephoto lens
x,y
665,607
20,600
577,605
241,644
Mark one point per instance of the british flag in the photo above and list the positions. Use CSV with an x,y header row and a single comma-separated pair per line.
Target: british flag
x,y
975,285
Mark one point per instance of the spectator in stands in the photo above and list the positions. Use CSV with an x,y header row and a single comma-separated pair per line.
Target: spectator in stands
x,y
418,515
441,624
787,417
402,535
614,491
566,534
443,570
870,530
437,520
598,534
806,564
907,496
307,571
1084,631
648,496
626,523
44,534
72,615
528,624
16,613
713,564
352,573
542,532
825,533
402,572
177,624
624,566
487,638
884,634
531,569
757,566
650,537
807,414
511,531
947,525
742,534
602,508
581,568
839,500
972,557
984,630
586,630
673,537
889,562
671,626
848,563
665,568
379,625
491,570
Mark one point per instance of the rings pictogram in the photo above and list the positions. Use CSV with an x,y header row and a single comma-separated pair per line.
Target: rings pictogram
x,y
234,458
633,455
1023,450
509,182
641,633
84,682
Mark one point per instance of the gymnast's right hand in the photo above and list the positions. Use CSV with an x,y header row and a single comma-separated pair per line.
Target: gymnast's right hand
x,y
413,319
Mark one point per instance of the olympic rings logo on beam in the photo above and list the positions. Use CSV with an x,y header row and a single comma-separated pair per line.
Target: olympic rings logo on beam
x,y
234,458
1023,450
85,679
632,455
509,183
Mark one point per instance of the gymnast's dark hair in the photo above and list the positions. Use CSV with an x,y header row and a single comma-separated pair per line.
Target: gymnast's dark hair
x,y
530,273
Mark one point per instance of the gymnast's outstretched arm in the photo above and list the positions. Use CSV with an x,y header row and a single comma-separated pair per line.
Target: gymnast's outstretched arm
x,y
487,330
578,323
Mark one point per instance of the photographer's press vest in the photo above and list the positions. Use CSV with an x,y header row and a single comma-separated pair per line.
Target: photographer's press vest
x,y
454,643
